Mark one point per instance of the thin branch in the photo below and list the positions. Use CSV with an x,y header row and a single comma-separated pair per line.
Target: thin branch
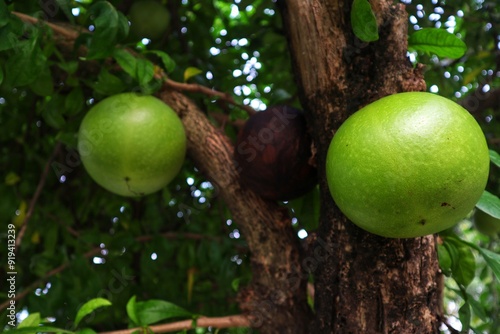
x,y
97,250
195,88
220,322
70,34
37,194
450,328
49,274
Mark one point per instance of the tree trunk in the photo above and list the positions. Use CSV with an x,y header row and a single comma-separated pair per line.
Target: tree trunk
x,y
363,283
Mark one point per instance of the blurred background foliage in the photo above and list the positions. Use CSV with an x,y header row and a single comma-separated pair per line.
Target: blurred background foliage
x,y
181,244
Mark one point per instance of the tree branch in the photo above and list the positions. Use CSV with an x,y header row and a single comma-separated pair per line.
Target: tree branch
x,y
97,250
69,34
219,322
195,88
49,274
479,100
38,191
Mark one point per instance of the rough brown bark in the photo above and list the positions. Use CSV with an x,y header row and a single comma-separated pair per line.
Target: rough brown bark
x,y
364,283
276,298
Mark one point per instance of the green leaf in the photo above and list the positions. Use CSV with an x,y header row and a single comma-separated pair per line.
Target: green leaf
x,y
495,158
90,307
477,308
111,26
38,329
490,204
108,84
86,331
464,315
152,311
363,21
463,267
145,71
65,7
306,209
74,102
24,67
445,261
52,116
70,67
1,75
30,321
43,85
4,14
168,63
437,41
131,310
126,61
191,72
10,33
235,284
12,178
492,259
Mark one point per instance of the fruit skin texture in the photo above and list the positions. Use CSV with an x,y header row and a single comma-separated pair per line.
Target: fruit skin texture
x,y
131,144
148,18
486,224
273,151
408,165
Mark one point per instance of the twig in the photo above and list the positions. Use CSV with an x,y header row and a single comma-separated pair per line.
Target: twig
x,y
97,250
195,88
38,191
67,33
450,328
49,274
220,322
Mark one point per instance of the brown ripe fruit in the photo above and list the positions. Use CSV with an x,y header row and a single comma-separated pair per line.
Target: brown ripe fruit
x,y
273,154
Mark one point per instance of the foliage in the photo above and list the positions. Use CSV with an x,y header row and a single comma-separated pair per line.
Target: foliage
x,y
179,250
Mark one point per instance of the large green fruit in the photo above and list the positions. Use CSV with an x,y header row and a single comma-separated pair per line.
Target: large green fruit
x,y
149,19
486,224
132,144
408,165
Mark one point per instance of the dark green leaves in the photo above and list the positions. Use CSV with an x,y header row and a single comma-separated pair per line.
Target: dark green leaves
x,y
110,27
456,260
363,21
31,325
492,259
167,61
490,204
453,245
152,311
4,14
108,84
462,262
127,61
25,64
437,41
38,329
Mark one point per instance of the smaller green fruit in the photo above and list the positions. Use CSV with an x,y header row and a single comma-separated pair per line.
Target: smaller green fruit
x,y
486,224
131,144
148,19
